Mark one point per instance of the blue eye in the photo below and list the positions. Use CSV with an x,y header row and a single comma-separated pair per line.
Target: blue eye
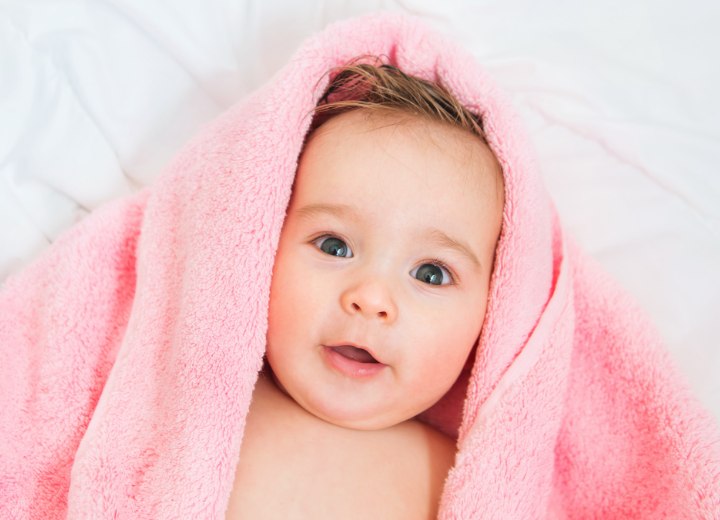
x,y
333,246
433,274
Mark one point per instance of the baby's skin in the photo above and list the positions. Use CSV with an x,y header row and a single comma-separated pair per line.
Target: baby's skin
x,y
379,291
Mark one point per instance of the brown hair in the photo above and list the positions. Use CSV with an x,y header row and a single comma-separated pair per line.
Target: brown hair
x,y
385,87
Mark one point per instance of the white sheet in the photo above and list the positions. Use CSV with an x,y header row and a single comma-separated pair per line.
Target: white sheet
x,y
620,98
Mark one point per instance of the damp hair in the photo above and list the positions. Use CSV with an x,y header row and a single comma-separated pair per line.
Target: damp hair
x,y
381,87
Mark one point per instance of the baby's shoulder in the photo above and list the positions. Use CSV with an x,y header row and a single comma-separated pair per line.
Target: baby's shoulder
x,y
422,448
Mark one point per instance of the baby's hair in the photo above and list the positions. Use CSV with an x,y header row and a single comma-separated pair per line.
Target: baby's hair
x,y
387,88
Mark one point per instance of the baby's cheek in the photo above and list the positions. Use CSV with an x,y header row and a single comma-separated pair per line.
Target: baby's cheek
x,y
449,347
296,301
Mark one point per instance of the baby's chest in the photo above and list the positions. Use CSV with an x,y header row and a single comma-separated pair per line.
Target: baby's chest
x,y
308,478
298,471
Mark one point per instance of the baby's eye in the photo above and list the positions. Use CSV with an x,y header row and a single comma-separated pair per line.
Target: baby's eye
x,y
333,246
434,274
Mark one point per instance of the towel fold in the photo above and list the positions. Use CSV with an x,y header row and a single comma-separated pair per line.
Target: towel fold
x,y
130,348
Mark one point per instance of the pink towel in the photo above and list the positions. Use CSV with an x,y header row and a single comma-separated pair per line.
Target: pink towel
x,y
129,350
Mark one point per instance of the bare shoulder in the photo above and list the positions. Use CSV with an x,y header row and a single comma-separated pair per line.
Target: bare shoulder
x,y
423,457
438,444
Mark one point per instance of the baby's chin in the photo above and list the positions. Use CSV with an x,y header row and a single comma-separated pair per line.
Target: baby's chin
x,y
340,416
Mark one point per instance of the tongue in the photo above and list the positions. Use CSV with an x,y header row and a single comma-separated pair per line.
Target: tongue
x,y
356,354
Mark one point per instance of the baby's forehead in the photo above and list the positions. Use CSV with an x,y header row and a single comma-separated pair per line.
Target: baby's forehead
x,y
472,157
399,172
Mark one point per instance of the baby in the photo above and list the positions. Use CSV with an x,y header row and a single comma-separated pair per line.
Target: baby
x,y
378,296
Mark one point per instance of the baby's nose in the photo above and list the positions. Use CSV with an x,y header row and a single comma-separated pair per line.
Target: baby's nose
x,y
371,299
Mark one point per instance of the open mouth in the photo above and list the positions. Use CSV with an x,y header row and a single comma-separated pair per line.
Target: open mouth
x,y
356,354
355,362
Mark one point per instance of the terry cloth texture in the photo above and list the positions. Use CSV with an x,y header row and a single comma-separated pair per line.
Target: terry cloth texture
x,y
129,350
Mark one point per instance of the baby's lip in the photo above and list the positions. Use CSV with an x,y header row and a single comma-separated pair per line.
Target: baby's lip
x,y
356,345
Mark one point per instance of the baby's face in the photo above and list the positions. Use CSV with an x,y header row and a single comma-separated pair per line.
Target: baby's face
x,y
388,244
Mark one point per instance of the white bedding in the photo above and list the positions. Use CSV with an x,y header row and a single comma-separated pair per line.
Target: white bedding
x,y
620,99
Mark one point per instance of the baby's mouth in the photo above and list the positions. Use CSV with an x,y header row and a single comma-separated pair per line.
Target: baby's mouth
x,y
355,353
353,361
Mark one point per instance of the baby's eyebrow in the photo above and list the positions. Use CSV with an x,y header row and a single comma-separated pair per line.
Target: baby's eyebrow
x,y
338,210
442,239
433,235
